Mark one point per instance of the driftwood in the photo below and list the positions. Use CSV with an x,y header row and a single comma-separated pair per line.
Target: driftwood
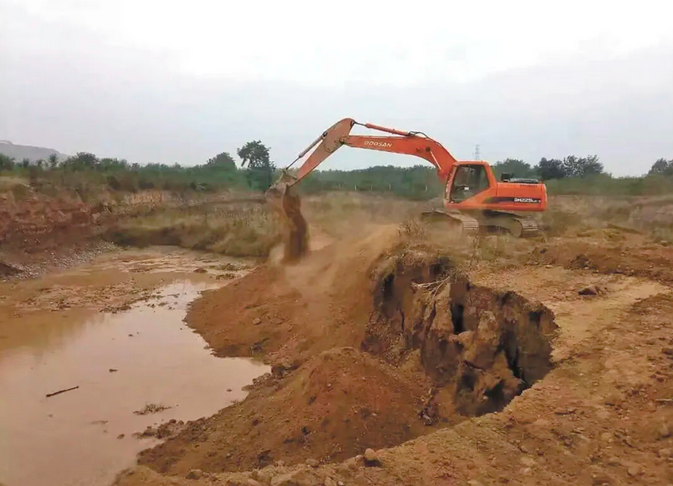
x,y
62,391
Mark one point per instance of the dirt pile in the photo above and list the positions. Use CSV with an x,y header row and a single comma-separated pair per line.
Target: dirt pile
x,y
601,417
291,313
370,349
335,406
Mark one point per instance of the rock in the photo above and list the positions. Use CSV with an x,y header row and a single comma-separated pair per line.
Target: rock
x,y
312,462
613,461
664,431
371,458
329,482
600,478
243,482
120,436
606,436
194,474
297,478
113,370
635,470
667,351
590,290
527,461
256,321
281,369
200,270
666,452
474,482
340,483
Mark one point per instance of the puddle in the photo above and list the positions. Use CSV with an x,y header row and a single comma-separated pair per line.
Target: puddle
x,y
74,438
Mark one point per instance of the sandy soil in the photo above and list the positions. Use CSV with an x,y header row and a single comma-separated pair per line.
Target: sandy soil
x,y
457,362
600,414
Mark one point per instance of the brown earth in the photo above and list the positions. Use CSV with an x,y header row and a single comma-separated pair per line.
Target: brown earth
x,y
380,343
442,339
337,404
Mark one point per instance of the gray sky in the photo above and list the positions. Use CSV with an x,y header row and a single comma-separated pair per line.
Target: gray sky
x,y
156,81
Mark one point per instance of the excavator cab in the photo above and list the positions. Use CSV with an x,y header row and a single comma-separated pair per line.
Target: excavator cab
x,y
466,181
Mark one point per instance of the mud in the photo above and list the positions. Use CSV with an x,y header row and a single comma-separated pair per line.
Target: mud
x,y
56,334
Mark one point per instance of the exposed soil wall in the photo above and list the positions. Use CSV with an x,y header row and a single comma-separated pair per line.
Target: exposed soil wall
x,y
26,219
480,347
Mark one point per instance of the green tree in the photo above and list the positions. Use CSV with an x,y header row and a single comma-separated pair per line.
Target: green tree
x,y
662,167
582,166
6,162
549,169
223,161
260,168
81,161
514,167
25,163
53,161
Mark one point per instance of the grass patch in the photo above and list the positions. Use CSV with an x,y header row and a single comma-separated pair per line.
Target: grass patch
x,y
243,232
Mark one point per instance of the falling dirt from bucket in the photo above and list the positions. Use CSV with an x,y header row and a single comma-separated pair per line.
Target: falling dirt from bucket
x,y
295,227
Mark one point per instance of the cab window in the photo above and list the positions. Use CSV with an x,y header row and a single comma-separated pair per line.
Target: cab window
x,y
469,181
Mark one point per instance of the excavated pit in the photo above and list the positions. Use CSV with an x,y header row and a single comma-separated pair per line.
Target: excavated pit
x,y
480,347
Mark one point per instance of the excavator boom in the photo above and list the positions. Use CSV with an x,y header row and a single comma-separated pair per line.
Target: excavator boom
x,y
409,143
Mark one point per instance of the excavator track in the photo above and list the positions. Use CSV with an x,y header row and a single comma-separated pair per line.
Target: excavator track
x,y
517,226
529,227
467,225
482,222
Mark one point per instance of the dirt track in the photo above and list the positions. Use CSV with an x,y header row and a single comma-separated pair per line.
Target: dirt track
x,y
360,363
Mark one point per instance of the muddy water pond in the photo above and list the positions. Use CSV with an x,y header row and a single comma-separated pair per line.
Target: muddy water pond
x,y
126,365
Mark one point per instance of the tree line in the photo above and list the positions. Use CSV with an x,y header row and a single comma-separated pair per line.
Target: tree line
x,y
256,171
548,169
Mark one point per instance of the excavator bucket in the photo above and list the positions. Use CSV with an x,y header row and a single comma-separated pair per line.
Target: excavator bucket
x,y
288,205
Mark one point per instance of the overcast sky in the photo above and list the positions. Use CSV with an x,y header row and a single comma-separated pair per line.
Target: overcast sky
x,y
158,81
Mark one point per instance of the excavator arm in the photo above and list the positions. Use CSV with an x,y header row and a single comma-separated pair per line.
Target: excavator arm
x,y
398,142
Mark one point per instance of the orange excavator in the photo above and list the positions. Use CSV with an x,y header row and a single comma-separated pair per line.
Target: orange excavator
x,y
473,198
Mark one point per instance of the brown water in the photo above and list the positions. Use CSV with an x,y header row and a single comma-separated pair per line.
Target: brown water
x,y
75,438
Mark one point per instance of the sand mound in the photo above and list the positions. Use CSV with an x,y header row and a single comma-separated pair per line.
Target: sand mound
x,y
290,313
335,406
373,343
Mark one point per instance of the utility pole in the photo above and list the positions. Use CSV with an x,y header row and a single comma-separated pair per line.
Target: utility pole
x,y
477,153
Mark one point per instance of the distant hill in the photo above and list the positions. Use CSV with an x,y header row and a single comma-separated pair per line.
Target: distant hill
x,y
20,152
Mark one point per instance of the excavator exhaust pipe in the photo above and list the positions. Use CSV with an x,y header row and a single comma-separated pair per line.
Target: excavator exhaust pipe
x,y
288,205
